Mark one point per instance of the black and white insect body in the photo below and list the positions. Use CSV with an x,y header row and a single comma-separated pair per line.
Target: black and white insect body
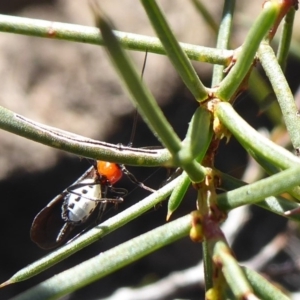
x,y
75,205
81,202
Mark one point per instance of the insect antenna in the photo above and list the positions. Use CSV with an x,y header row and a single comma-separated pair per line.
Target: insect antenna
x,y
136,114
125,171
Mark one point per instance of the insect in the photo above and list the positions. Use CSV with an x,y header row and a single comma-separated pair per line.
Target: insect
x,y
78,202
74,206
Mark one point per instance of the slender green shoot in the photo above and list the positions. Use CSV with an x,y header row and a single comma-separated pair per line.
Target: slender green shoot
x,y
285,39
175,53
252,141
223,40
90,35
80,145
262,287
257,191
245,57
283,93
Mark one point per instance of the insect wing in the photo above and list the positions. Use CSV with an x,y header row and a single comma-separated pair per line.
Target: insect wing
x,y
48,222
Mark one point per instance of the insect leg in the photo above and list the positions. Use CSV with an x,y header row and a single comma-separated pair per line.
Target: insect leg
x,y
133,179
66,229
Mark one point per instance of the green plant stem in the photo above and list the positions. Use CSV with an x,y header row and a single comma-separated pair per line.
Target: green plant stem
x,y
222,255
245,58
282,90
264,96
262,287
255,192
196,143
285,39
177,56
223,38
79,145
199,135
109,261
90,35
277,205
94,234
251,140
178,193
208,266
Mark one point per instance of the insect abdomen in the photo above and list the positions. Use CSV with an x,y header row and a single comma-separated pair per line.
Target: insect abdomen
x,y
80,203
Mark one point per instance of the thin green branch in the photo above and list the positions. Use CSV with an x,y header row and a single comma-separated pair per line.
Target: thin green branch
x,y
208,266
255,192
109,261
262,287
285,39
245,58
80,145
199,135
264,96
222,255
178,193
177,56
283,92
277,205
252,141
90,35
223,40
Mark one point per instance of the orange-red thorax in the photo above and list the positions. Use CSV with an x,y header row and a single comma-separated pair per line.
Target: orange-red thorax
x,y
110,170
